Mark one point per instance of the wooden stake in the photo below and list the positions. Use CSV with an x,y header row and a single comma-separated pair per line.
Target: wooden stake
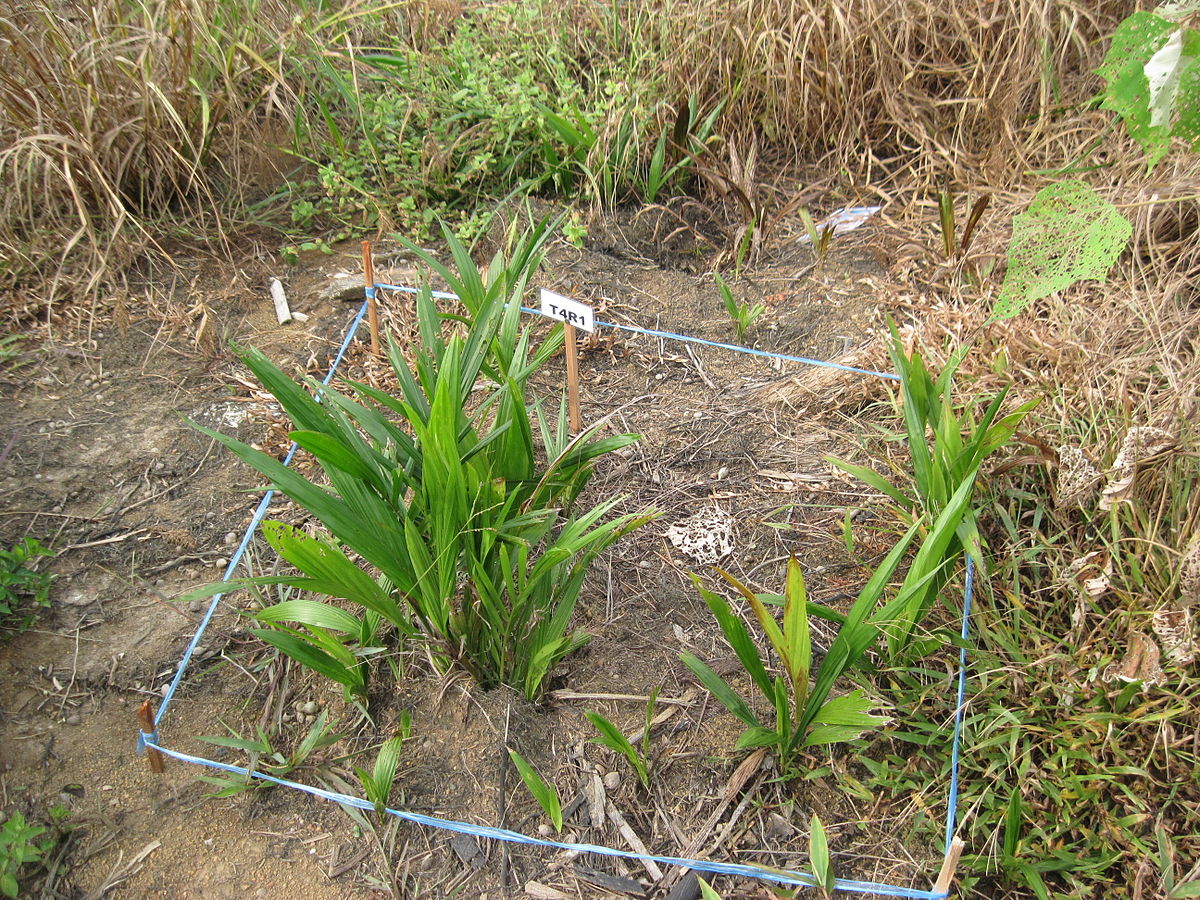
x,y
372,306
145,716
948,866
573,381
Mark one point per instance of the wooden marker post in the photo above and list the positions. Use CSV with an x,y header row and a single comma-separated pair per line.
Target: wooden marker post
x,y
949,865
574,315
574,416
372,306
145,716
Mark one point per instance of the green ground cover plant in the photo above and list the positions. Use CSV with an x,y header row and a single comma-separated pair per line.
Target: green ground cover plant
x,y
22,589
21,844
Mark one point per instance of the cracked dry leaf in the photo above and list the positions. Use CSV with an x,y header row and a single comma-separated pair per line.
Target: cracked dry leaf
x,y
706,537
1141,443
1092,572
1173,627
1189,572
1077,477
1140,662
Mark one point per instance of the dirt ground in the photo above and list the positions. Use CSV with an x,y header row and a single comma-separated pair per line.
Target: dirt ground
x,y
98,462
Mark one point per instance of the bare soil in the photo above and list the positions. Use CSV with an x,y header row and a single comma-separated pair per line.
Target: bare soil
x,y
98,461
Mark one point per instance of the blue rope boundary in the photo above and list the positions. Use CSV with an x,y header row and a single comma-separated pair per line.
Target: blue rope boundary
x,y
151,739
672,336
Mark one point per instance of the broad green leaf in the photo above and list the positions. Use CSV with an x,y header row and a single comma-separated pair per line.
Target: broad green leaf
x,y
386,764
765,620
716,686
545,794
818,855
313,658
739,639
757,736
311,612
796,633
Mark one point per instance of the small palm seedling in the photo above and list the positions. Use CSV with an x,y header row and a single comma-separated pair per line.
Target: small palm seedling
x,y
804,714
543,792
819,857
378,783
947,447
820,238
612,738
265,758
741,313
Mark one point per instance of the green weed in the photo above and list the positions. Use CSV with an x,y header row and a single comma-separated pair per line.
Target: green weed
x,y
21,586
19,846
803,715
742,313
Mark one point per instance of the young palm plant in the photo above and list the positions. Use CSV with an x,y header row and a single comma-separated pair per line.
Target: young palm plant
x,y
804,714
947,447
442,492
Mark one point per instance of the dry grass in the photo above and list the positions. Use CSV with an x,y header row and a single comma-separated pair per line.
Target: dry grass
x,y
124,123
931,86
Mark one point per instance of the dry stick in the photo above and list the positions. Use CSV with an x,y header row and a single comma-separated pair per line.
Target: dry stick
x,y
145,716
372,307
573,380
737,781
502,812
948,866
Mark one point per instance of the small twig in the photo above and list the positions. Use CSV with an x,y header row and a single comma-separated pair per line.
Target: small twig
x,y
109,540
502,804
635,843
170,487
74,671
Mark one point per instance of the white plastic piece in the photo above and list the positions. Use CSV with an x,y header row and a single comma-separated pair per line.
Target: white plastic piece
x,y
282,312
846,219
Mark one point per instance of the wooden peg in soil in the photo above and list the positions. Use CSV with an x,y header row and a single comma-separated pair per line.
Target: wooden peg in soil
x,y
576,420
145,716
372,306
949,865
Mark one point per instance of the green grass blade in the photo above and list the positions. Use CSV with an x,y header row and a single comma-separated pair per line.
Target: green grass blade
x,y
545,794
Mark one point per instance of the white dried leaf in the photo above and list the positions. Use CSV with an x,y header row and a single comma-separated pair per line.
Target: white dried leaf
x,y
1189,572
1077,477
706,537
1173,627
1092,572
1141,443
1162,72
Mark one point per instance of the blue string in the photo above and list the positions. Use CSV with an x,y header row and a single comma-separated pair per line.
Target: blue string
x,y
952,802
670,335
144,738
799,879
259,513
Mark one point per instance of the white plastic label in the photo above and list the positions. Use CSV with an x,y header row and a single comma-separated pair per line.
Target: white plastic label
x,y
572,312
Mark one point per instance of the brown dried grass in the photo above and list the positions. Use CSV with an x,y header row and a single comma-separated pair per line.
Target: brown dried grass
x,y
126,122
936,85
